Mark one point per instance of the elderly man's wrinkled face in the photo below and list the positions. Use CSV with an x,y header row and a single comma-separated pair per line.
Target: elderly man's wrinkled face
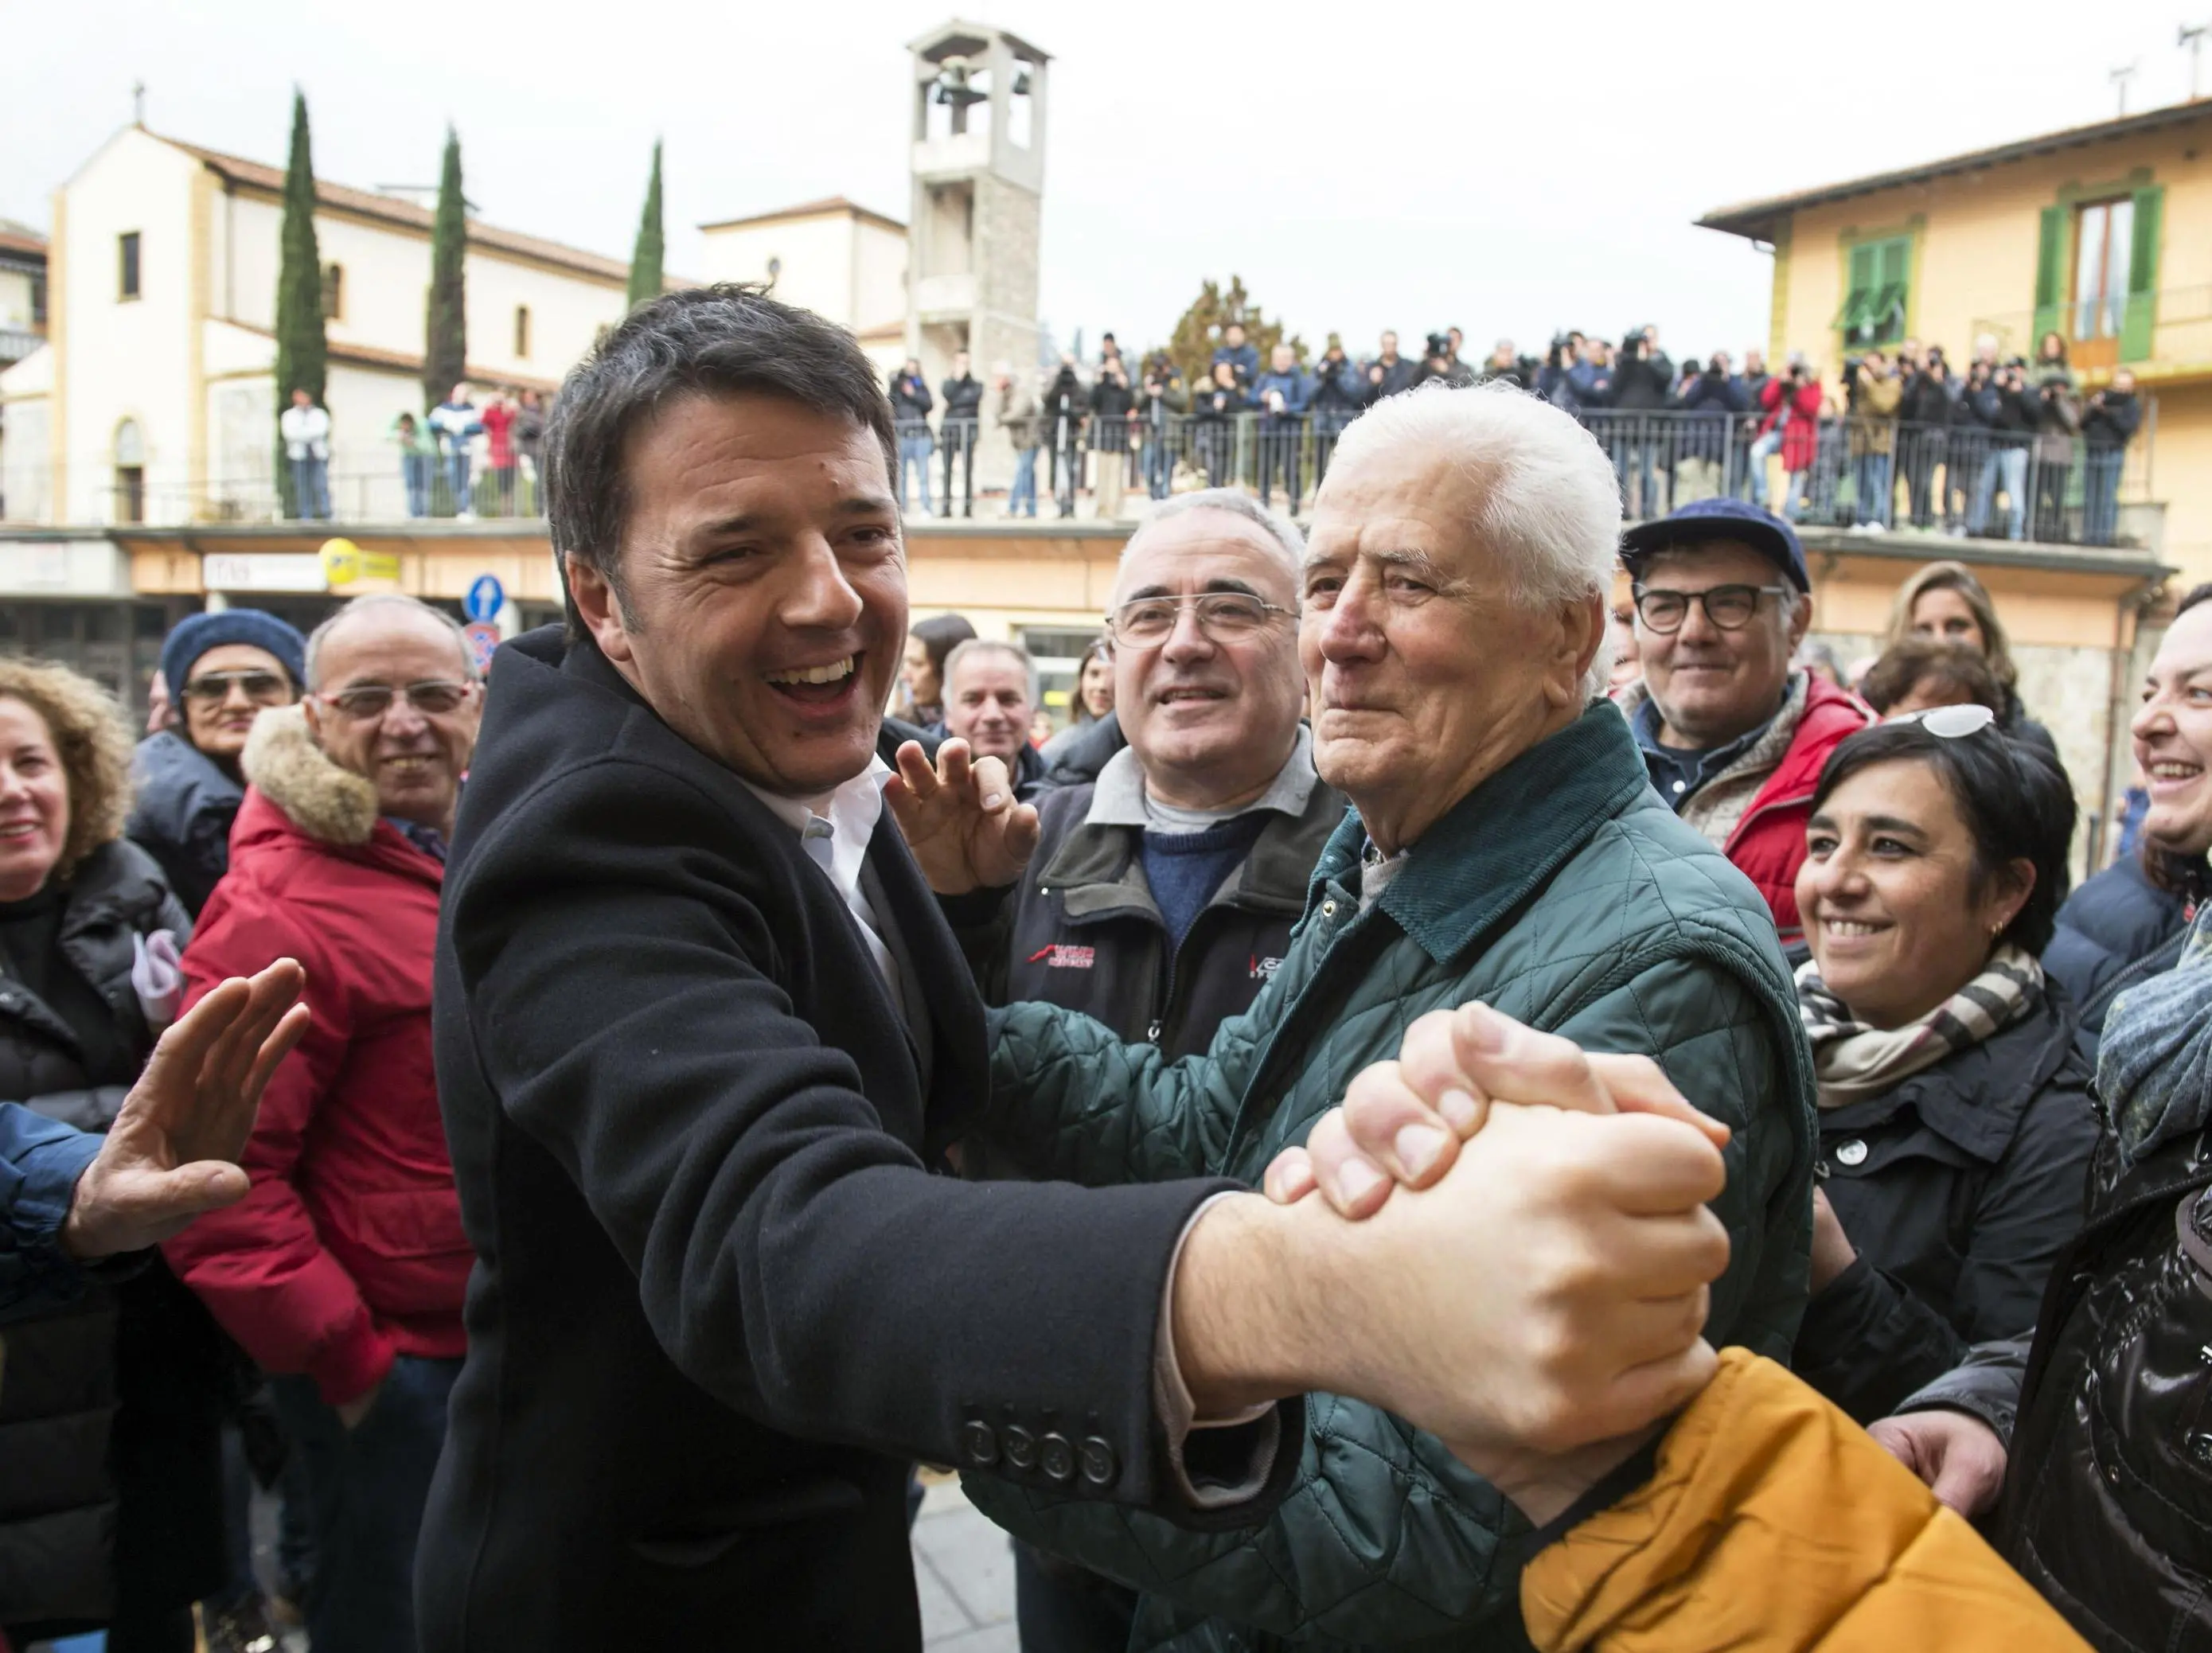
x,y
393,702
1210,706
1712,684
1423,676
987,703
765,587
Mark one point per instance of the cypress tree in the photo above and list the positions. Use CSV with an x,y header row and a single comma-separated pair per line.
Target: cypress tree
x,y
644,279
445,332
302,361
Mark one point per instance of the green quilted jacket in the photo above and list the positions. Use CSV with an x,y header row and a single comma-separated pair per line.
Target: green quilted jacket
x,y
1562,891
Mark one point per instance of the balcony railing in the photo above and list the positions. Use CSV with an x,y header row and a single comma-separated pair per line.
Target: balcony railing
x,y
16,343
2181,331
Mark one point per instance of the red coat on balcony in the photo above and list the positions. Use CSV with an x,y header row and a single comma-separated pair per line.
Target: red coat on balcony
x,y
1801,437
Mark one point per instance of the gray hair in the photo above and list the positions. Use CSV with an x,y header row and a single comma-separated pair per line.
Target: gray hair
x,y
386,600
1550,510
986,645
1281,529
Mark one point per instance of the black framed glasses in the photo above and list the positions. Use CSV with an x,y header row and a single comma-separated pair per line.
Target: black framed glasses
x,y
1729,607
1224,616
368,702
263,688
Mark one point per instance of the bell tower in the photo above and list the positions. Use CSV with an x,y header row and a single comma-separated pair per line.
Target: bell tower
x,y
978,180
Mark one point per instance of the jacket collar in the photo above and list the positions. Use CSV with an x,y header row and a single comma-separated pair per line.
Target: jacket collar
x,y
298,790
1504,838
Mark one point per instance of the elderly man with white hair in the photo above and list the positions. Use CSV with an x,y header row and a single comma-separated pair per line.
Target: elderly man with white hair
x,y
1505,847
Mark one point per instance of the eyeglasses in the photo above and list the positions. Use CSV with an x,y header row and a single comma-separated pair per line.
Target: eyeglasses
x,y
1224,616
1952,722
213,688
371,701
1729,607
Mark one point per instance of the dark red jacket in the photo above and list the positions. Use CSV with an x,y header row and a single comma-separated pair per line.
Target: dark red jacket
x,y
1801,437
1768,843
348,1250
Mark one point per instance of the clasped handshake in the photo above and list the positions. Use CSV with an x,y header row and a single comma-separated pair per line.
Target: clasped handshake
x,y
1498,1237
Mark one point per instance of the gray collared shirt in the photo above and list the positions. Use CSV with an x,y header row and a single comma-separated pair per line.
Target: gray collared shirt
x,y
1118,797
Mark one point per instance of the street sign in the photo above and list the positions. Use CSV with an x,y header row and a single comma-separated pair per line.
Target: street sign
x,y
345,564
486,597
483,639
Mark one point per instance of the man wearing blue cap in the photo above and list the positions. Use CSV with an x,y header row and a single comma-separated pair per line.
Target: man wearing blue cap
x,y
1734,739
221,669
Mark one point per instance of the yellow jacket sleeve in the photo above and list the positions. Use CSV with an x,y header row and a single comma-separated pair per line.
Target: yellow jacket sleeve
x,y
1775,1524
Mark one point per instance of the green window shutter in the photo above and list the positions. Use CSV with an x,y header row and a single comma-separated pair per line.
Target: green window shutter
x,y
2050,273
2143,275
1861,291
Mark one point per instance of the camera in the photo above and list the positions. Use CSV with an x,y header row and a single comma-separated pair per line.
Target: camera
x,y
1438,346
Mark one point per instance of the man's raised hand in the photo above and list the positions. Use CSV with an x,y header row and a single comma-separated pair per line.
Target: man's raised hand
x,y
173,1152
960,818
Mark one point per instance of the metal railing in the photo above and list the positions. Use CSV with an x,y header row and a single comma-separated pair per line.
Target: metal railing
x,y
2180,329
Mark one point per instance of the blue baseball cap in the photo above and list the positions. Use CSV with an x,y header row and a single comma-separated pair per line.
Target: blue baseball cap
x,y
1720,519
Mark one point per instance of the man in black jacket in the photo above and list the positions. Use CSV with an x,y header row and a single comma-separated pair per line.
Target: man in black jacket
x,y
1163,893
955,430
702,1037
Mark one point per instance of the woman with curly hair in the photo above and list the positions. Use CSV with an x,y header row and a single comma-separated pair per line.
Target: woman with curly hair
x,y
110,1512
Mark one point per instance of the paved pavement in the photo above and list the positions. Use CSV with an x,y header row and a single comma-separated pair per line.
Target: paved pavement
x,y
965,1572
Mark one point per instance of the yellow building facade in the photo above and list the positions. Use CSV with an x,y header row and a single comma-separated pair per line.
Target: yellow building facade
x,y
2102,233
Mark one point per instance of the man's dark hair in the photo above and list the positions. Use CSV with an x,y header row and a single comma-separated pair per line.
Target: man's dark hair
x,y
1953,665
726,340
2015,800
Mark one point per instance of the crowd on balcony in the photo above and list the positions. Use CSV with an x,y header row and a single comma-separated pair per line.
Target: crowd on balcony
x,y
2005,447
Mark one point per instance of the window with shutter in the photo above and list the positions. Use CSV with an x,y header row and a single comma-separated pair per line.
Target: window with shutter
x,y
1880,285
2140,314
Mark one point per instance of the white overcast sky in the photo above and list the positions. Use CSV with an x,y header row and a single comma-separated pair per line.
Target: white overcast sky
x,y
1509,168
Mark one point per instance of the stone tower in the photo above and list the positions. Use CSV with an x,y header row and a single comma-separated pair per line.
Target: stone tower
x,y
978,167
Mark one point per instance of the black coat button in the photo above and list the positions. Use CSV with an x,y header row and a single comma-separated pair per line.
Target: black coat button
x,y
979,1444
1021,1447
1099,1465
1057,1459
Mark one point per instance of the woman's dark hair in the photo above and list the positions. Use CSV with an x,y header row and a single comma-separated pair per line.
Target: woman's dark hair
x,y
721,341
1955,666
2015,800
2188,876
1099,650
939,637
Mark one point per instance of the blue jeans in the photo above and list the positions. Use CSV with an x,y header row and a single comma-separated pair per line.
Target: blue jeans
x,y
2008,464
1755,464
369,1485
1021,498
1158,465
2100,493
914,460
457,474
414,471
1871,473
311,490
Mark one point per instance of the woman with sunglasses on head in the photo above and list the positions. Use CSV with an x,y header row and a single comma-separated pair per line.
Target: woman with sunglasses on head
x,y
221,671
1955,1126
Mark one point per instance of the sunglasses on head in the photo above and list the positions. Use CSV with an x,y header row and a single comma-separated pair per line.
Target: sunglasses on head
x,y
1952,722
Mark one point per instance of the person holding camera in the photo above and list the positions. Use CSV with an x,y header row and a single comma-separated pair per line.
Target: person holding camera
x,y
1640,386
2058,422
1112,402
2007,412
1213,414
1340,391
1440,360
911,403
1162,399
956,429
1281,395
1065,403
1708,398
1791,427
1923,419
1874,393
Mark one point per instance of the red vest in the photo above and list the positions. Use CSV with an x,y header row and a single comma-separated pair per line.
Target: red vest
x,y
1768,844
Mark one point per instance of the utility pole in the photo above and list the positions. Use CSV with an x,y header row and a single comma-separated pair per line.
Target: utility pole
x,y
2194,39
2120,77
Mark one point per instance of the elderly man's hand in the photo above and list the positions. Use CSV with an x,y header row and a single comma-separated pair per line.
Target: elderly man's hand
x,y
1958,1457
1403,1122
960,818
171,1154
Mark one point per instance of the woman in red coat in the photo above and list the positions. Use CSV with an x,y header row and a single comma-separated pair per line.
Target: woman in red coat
x,y
1793,402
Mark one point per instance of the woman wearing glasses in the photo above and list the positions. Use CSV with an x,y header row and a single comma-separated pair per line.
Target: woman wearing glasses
x,y
1955,1126
220,670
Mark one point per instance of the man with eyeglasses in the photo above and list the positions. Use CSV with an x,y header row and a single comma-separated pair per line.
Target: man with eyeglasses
x,y
342,1273
1734,739
220,670
1161,896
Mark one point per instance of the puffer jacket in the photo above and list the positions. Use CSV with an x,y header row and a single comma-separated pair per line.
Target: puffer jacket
x,y
40,1160
2117,928
1564,892
110,1408
2107,1507
183,803
1086,750
1081,928
348,1250
1770,1523
1958,1188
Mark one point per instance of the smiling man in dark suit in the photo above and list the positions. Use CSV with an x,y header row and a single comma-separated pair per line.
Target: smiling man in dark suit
x,y
703,1040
